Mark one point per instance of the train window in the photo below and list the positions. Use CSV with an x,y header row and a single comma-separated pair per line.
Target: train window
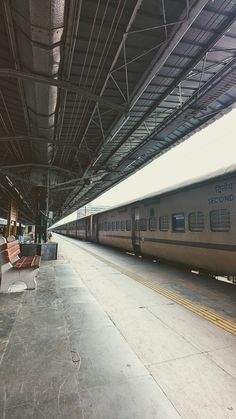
x,y
152,212
152,223
108,226
137,225
178,222
122,225
164,223
128,225
196,221
113,225
143,224
117,225
105,226
220,220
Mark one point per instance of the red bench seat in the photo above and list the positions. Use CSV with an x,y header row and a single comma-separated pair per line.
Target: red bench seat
x,y
14,267
27,262
10,251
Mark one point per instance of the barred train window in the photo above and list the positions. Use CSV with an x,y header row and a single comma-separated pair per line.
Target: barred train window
x,y
143,224
108,226
117,225
113,225
152,223
128,225
152,212
196,221
164,223
220,220
122,225
178,222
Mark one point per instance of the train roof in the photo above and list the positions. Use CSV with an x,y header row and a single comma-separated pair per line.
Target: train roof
x,y
222,172
217,174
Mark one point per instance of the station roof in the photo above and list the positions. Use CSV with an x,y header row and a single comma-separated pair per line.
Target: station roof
x,y
91,91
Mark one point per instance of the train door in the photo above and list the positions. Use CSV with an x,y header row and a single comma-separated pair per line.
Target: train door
x,y
136,229
95,229
88,236
85,228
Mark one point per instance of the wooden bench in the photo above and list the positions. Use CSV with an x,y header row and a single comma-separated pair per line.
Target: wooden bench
x,y
16,268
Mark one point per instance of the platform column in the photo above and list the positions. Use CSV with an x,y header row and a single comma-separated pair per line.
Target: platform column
x,y
12,217
41,221
15,228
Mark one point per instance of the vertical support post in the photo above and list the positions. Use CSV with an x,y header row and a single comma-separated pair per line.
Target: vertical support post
x,y
8,226
47,208
15,229
42,212
12,216
126,71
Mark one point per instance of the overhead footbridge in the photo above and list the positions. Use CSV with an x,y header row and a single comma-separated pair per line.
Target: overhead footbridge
x,y
91,91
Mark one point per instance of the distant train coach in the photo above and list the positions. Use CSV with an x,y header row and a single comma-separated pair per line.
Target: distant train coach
x,y
193,224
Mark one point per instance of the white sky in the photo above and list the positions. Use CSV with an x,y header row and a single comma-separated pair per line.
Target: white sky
x,y
206,151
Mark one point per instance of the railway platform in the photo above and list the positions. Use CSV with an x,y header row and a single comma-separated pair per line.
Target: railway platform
x,y
109,336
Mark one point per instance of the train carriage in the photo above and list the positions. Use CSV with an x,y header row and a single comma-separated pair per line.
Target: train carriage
x,y
115,228
193,224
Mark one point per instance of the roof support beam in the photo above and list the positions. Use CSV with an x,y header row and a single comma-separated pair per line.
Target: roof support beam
x,y
183,76
40,140
40,166
119,49
14,50
205,94
159,60
11,174
62,186
72,12
14,193
21,75
166,50
27,138
58,185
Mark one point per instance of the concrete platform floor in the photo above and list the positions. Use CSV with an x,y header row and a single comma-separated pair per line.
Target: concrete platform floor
x,y
92,343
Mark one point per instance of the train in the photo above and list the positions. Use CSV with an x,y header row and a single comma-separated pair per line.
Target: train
x,y
192,224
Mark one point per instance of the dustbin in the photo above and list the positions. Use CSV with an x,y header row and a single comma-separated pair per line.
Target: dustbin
x,y
47,251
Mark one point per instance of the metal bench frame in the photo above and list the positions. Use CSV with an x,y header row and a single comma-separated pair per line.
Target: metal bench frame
x,y
14,268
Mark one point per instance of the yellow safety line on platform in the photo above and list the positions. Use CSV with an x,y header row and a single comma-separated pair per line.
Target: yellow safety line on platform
x,y
211,316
